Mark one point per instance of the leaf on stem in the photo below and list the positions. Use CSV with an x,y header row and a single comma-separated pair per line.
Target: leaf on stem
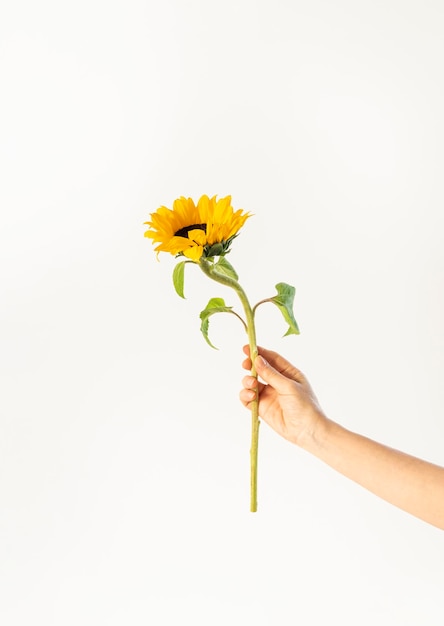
x,y
224,267
179,277
215,305
284,301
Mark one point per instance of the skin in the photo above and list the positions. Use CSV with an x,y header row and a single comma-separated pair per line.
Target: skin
x,y
288,404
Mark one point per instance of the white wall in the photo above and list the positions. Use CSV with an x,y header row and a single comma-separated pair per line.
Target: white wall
x,y
123,447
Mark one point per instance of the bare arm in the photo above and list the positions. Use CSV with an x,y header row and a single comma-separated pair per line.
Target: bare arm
x,y
287,403
409,483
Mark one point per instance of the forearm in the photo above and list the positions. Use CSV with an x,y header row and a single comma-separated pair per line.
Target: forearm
x,y
409,483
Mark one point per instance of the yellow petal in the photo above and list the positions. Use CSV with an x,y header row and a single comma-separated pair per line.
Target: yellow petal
x,y
194,253
198,235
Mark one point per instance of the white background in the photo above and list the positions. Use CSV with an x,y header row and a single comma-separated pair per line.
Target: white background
x,y
124,466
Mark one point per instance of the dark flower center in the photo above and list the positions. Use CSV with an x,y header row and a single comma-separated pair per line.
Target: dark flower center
x,y
183,232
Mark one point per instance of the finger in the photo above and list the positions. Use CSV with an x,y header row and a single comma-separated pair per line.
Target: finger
x,y
281,365
283,384
250,382
278,362
246,396
247,364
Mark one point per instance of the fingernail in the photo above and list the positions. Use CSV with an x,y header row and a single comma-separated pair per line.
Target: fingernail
x,y
261,361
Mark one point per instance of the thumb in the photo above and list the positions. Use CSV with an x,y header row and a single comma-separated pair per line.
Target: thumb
x,y
270,375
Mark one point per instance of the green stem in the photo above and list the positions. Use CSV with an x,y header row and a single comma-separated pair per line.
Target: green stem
x,y
211,271
260,302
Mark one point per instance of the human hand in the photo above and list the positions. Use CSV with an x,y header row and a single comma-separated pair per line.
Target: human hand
x,y
286,400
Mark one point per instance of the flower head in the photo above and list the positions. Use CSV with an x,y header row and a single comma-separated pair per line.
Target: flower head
x,y
195,231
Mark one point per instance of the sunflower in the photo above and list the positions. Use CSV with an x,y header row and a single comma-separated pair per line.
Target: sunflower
x,y
195,231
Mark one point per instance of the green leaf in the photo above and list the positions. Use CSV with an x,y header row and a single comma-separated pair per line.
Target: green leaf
x,y
224,267
178,277
215,305
284,301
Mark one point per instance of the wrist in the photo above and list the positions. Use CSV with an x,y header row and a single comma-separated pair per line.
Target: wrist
x,y
315,435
